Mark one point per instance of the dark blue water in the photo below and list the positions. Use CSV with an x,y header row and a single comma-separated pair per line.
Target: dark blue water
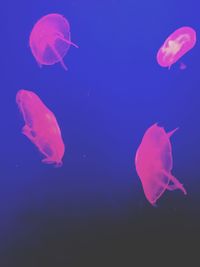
x,y
92,210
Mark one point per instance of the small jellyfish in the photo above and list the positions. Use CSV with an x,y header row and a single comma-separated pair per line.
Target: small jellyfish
x,y
41,127
50,40
175,46
154,163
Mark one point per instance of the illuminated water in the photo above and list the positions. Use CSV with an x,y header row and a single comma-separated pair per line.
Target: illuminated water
x,y
92,211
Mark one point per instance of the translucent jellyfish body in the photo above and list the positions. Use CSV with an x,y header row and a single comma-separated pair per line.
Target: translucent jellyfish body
x,y
41,127
50,40
175,46
154,163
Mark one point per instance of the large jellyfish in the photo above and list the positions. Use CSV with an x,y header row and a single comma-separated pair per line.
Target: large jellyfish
x,y
154,163
176,45
50,40
41,127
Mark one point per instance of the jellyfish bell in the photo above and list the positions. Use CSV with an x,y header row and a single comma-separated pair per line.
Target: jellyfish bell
x,y
50,40
175,46
41,127
154,163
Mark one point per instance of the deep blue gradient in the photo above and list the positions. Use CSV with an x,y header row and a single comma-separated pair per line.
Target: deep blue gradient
x,y
92,211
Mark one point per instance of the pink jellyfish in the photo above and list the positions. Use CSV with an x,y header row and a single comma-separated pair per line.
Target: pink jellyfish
x,y
175,46
50,40
41,127
154,163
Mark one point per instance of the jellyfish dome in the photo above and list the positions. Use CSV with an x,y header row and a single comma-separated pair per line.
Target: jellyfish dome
x,y
176,45
154,164
50,40
41,127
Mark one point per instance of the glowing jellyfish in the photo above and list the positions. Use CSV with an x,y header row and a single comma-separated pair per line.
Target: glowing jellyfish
x,y
175,46
41,127
154,163
50,40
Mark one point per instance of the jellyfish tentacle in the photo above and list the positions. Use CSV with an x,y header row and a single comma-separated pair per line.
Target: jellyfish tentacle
x,y
48,161
68,42
59,57
27,132
172,132
61,37
171,187
176,185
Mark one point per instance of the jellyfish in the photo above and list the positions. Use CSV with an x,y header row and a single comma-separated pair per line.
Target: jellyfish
x,y
175,46
41,127
50,40
154,164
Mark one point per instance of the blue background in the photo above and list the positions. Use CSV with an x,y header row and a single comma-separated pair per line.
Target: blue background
x,y
92,211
